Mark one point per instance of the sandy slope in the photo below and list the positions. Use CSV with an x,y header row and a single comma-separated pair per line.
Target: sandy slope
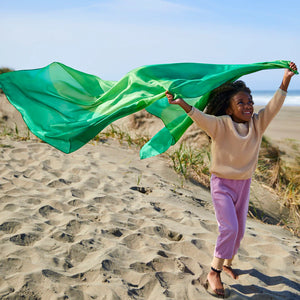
x,y
101,224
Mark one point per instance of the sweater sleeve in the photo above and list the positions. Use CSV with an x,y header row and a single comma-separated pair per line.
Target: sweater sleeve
x,y
206,122
266,115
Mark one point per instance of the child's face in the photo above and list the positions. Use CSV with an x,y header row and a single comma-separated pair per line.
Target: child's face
x,y
240,107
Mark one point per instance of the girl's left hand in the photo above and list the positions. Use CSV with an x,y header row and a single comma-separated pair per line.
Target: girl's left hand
x,y
293,67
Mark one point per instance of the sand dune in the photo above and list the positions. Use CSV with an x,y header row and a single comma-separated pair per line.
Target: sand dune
x,y
102,224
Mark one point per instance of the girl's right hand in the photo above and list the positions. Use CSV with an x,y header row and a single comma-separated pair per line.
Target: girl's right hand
x,y
171,98
179,101
288,74
293,67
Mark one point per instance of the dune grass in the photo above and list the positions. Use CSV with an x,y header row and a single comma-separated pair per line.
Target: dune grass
x,y
13,133
191,163
272,170
114,131
283,178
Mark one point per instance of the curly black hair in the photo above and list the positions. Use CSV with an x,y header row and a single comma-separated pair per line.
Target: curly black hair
x,y
219,98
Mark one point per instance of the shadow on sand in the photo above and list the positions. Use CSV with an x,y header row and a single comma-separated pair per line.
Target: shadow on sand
x,y
259,292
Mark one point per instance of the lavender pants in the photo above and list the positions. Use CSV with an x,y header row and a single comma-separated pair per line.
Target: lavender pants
x,y
231,199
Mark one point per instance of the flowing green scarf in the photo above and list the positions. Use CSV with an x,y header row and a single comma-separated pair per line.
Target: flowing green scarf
x,y
66,108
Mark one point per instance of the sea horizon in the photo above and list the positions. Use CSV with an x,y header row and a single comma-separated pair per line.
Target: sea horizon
x,y
262,97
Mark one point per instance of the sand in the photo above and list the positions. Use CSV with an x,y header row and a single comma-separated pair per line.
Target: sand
x,y
285,125
102,224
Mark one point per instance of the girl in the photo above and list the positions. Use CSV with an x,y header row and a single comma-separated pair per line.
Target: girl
x,y
236,135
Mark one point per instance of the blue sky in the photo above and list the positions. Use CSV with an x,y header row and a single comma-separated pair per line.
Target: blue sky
x,y
108,38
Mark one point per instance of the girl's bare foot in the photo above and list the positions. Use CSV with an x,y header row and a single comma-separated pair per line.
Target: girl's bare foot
x,y
229,271
215,283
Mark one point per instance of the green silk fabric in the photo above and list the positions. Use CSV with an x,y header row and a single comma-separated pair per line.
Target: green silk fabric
x,y
66,108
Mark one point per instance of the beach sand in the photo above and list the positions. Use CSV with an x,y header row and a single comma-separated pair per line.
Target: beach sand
x,y
285,125
102,224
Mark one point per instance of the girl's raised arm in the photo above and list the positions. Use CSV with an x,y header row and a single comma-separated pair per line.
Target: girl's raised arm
x,y
288,74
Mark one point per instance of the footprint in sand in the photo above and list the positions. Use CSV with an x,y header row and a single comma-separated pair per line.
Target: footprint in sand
x,y
162,278
107,265
114,231
181,263
201,244
47,210
75,202
92,182
59,183
73,226
25,239
80,250
103,199
63,237
34,201
54,276
10,226
77,193
136,241
76,254
163,232
141,267
9,265
10,207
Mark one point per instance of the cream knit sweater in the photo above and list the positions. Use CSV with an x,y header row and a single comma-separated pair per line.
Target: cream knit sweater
x,y
234,155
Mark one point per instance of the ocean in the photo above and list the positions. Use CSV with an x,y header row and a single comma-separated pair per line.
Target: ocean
x,y
263,97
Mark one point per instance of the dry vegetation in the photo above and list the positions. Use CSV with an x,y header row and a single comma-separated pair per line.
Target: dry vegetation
x,y
4,70
283,177
272,170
